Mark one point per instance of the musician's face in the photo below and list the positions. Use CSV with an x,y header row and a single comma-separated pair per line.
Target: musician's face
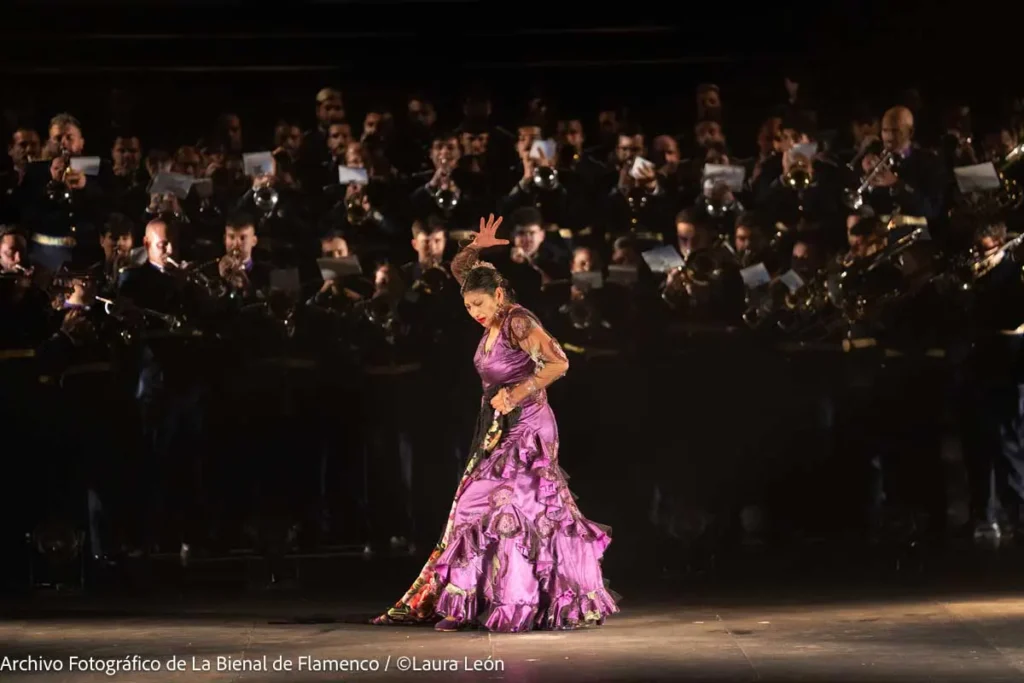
x,y
686,234
530,239
483,306
11,253
436,244
421,245
988,243
121,244
336,247
445,151
574,136
241,239
338,137
741,241
582,260
24,146
354,155
330,110
629,147
158,244
126,153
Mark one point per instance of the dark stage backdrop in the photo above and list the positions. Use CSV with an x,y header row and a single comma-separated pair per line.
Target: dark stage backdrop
x,y
189,59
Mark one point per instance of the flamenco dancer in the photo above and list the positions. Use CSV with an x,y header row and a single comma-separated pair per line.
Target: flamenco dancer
x,y
516,554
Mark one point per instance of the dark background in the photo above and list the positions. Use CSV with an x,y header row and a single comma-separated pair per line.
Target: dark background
x,y
269,58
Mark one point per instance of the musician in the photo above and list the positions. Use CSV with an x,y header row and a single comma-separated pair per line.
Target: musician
x,y
993,414
448,191
64,223
117,242
532,187
796,184
245,279
314,153
389,333
429,241
916,189
24,148
129,175
640,204
170,390
24,306
748,240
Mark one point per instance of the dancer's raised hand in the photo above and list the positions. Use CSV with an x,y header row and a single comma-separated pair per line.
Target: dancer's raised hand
x,y
487,235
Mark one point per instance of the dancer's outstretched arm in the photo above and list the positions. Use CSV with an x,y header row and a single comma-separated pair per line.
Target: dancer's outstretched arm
x,y
469,256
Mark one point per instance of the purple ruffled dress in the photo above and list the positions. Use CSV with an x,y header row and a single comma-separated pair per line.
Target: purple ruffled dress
x,y
520,556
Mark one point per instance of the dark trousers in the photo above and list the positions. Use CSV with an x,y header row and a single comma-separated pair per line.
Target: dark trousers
x,y
994,450
391,416
171,475
888,436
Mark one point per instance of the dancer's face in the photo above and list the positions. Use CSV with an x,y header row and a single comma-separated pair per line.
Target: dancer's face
x,y
483,306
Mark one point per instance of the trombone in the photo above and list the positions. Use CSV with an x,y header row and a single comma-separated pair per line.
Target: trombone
x,y
854,199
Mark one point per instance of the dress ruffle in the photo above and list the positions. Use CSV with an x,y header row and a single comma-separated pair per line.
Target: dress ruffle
x,y
512,571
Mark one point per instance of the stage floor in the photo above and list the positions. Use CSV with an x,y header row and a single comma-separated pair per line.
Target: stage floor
x,y
866,627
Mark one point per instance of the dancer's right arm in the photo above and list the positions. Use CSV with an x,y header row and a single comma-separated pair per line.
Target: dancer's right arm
x,y
470,254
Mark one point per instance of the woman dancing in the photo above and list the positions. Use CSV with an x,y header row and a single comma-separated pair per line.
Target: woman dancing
x,y
516,554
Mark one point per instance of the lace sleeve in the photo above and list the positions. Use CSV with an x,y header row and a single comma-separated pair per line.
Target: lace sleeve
x,y
550,361
464,262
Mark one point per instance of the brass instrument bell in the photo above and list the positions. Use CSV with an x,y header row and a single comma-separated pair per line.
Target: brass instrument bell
x,y
545,177
265,198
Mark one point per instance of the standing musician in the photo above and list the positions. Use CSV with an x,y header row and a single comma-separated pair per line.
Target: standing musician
x,y
994,422
915,187
240,277
156,296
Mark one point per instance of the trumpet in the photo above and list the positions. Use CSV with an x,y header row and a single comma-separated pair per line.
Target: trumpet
x,y
545,177
854,199
194,273
446,199
799,175
355,212
265,198
718,199
57,190
446,194
113,309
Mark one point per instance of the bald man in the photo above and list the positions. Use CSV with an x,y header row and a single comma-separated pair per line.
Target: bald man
x,y
148,285
169,390
916,187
